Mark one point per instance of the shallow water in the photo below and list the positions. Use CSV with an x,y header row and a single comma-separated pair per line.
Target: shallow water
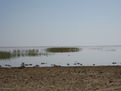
x,y
86,55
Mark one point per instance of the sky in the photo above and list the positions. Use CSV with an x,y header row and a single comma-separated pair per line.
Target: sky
x,y
60,22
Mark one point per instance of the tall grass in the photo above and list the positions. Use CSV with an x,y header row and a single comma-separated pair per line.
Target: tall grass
x,y
20,53
5,55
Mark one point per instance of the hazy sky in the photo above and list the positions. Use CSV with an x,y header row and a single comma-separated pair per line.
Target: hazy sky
x,y
60,22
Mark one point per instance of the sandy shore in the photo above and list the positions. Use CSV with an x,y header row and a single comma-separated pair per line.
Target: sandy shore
x,y
100,78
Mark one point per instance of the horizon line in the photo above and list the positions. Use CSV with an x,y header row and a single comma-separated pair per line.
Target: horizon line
x,y
63,46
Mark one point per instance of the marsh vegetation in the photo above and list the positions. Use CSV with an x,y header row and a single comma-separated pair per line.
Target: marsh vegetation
x,y
62,49
5,55
20,53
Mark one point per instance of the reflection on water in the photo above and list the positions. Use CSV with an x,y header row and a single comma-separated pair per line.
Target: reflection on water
x,y
34,52
5,55
113,50
62,49
20,53
60,56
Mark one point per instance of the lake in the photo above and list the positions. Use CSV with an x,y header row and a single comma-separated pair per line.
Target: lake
x,y
63,56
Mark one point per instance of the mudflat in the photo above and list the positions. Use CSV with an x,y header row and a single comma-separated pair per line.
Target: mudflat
x,y
84,78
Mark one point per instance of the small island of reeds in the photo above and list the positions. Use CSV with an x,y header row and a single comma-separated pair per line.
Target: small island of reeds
x,y
62,49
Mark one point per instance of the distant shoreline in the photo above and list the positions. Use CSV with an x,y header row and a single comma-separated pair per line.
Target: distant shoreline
x,y
61,46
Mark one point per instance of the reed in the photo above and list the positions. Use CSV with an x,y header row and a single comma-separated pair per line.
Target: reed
x,y
21,53
5,55
62,49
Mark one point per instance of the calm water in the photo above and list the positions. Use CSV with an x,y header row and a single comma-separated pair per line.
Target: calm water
x,y
84,56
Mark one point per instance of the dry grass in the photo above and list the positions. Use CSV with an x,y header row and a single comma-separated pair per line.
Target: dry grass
x,y
101,78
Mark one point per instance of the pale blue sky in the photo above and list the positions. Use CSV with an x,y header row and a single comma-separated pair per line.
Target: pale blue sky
x,y
60,22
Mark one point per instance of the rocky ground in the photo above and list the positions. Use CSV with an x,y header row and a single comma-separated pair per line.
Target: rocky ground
x,y
93,78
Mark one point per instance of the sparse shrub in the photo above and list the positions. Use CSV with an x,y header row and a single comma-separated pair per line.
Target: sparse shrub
x,y
114,63
68,64
22,64
93,64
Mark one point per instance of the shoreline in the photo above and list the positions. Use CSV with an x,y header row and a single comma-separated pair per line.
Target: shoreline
x,y
59,66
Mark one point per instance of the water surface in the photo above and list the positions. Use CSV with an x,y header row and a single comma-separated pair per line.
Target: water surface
x,y
64,56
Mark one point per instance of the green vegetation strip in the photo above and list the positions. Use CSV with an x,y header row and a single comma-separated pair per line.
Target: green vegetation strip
x,y
62,49
5,55
19,53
